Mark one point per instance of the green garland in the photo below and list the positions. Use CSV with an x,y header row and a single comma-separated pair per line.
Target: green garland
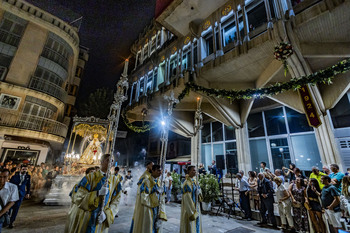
x,y
137,129
324,76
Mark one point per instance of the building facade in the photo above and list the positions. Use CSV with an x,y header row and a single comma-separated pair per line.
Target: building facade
x,y
41,65
229,45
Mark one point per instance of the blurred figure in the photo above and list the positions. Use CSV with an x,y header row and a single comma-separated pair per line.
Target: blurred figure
x,y
326,170
266,192
201,169
22,181
168,182
284,204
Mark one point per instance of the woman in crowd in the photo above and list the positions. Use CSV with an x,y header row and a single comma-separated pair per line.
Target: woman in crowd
x,y
296,191
289,172
345,196
312,201
284,204
253,185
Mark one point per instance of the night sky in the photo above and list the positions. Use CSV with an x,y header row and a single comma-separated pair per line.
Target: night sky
x,y
109,28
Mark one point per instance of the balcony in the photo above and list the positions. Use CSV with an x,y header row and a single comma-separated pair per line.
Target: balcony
x,y
9,38
31,122
47,87
55,57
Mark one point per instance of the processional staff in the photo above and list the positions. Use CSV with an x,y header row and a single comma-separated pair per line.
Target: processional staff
x,y
165,133
198,125
113,117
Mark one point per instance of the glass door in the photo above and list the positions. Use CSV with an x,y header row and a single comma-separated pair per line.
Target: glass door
x,y
280,153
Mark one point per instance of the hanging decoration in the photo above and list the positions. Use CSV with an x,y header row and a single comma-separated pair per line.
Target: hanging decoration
x,y
138,129
323,76
282,52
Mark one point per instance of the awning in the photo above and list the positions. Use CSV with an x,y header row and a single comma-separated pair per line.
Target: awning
x,y
181,160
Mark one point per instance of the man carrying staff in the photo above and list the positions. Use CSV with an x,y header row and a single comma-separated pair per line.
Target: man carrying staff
x,y
83,216
191,220
150,201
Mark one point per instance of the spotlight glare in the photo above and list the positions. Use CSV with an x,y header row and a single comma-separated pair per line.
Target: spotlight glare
x,y
162,122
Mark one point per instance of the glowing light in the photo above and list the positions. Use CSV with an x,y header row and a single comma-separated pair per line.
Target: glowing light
x,y
301,156
162,122
308,159
198,98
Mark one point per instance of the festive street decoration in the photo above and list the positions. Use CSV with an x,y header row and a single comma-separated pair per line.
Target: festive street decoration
x,y
282,52
138,129
323,76
309,107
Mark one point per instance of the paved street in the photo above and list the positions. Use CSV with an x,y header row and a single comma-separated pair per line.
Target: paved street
x,y
35,218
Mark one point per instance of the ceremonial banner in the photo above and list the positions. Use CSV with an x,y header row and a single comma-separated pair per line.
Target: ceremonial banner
x,y
309,107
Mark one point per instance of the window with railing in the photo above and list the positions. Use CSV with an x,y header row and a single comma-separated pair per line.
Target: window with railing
x,y
149,83
56,52
3,71
256,15
48,76
209,45
11,32
155,79
142,86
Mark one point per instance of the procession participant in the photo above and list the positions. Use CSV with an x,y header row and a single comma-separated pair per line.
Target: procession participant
x,y
190,211
151,203
127,185
137,213
87,202
116,173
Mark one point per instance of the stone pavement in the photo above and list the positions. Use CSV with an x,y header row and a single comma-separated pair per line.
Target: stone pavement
x,y
38,218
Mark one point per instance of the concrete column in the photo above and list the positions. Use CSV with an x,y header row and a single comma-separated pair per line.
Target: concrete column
x,y
214,39
177,63
136,60
245,23
327,144
192,56
137,90
243,151
181,59
220,51
145,80
268,13
132,90
168,71
199,52
196,149
238,35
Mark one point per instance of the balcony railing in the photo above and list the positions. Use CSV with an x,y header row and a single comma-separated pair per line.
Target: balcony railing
x,y
31,122
55,57
9,38
47,87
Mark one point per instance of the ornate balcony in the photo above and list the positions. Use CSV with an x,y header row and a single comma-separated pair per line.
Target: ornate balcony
x,y
47,87
31,122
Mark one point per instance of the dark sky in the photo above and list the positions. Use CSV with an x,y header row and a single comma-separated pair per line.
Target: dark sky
x,y
109,28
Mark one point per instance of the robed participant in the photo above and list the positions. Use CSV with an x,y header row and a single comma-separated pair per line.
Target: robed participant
x,y
83,216
191,219
138,214
150,205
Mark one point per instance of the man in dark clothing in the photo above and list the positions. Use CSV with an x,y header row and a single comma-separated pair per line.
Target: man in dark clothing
x,y
212,168
243,189
22,180
265,191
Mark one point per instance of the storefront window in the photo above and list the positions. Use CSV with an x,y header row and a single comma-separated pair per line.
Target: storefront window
x,y
275,122
258,153
217,132
280,153
306,151
230,133
206,137
255,125
297,122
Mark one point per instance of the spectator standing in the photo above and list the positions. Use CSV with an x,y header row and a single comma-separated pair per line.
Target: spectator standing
x,y
8,196
212,168
289,172
331,203
243,176
326,170
201,169
168,182
313,193
253,186
244,196
266,192
336,176
263,167
284,204
296,191
345,195
316,174
22,181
